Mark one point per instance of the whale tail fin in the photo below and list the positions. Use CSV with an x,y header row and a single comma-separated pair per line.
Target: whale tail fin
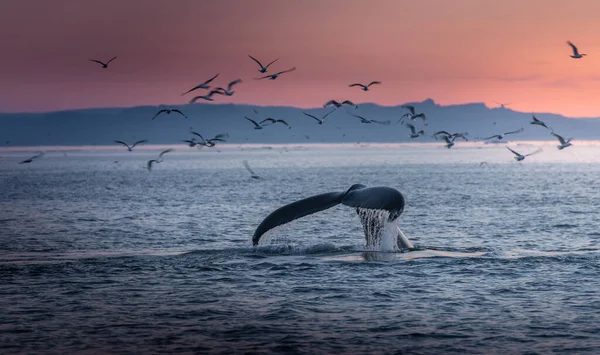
x,y
297,210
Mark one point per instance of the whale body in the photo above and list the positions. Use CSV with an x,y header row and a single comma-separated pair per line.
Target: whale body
x,y
366,200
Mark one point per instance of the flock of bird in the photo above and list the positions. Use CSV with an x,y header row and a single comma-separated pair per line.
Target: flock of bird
x,y
408,119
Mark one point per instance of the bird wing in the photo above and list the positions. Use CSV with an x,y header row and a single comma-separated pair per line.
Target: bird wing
x,y
263,77
442,132
374,83
231,84
309,115
179,112
39,154
199,135
287,71
560,139
348,102
149,165
138,142
575,52
211,79
257,62
268,119
164,152
331,102
327,114
494,136
253,121
410,108
159,112
411,127
97,61
220,137
537,151
192,89
125,144
111,59
215,92
515,153
282,121
387,123
357,84
271,63
517,131
247,166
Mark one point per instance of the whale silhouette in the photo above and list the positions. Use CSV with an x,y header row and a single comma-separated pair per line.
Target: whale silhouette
x,y
366,200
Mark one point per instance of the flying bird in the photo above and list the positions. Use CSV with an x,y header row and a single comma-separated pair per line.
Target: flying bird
x,y
204,85
276,75
413,115
207,97
365,87
519,157
449,141
501,104
263,69
339,104
29,160
500,136
229,90
211,142
576,54
159,160
320,120
252,174
535,121
191,142
366,120
453,136
273,121
563,143
256,125
168,112
130,148
413,131
104,65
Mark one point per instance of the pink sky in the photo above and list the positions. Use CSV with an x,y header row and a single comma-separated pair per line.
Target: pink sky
x,y
457,51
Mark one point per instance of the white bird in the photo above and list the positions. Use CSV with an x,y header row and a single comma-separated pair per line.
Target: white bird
x,y
104,65
563,143
207,97
449,141
211,142
366,120
130,148
29,160
256,125
276,75
263,69
576,54
320,120
252,174
168,112
412,115
535,121
365,87
519,157
204,85
500,136
228,91
413,131
501,104
453,136
273,121
159,160
339,104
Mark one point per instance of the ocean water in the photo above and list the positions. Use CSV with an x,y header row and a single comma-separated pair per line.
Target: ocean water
x,y
98,255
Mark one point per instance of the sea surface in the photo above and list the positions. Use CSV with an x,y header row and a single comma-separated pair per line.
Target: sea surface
x,y
99,255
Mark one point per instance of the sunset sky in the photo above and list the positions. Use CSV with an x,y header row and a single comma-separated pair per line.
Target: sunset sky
x,y
458,51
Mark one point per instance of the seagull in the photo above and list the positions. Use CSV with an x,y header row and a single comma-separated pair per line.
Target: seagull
x,y
252,174
204,85
207,97
276,75
453,136
104,65
229,92
320,120
159,160
168,112
500,136
191,142
563,143
263,69
338,104
537,122
365,87
576,54
366,120
130,148
412,115
519,157
273,121
29,160
501,104
256,125
211,142
413,131
449,141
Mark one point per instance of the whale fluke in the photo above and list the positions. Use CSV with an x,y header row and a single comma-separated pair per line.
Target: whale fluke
x,y
386,200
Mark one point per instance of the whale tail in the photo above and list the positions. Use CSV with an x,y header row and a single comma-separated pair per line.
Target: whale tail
x,y
376,207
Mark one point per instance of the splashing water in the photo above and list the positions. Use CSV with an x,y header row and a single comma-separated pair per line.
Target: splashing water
x,y
381,234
